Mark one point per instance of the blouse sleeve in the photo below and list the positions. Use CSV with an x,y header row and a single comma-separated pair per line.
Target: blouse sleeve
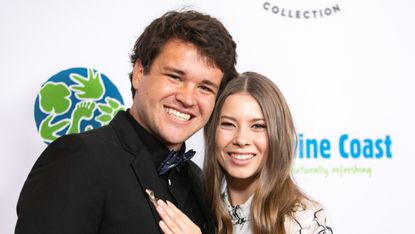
x,y
309,218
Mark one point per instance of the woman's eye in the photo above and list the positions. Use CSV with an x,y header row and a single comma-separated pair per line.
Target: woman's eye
x,y
259,126
226,124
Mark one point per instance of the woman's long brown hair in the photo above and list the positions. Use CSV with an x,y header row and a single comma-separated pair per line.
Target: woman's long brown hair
x,y
276,193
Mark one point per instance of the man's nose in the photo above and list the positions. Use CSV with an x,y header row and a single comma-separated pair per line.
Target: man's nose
x,y
186,95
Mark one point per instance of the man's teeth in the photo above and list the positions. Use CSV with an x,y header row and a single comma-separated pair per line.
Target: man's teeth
x,y
242,156
177,114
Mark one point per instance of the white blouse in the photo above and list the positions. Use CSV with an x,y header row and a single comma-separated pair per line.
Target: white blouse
x,y
309,218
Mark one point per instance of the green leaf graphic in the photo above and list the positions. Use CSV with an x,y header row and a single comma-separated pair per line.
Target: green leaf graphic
x,y
108,110
54,98
105,109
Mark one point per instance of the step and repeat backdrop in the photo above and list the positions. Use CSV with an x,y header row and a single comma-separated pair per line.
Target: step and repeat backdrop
x,y
346,69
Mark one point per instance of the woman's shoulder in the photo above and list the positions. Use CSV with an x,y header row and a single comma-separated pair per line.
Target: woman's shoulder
x,y
308,217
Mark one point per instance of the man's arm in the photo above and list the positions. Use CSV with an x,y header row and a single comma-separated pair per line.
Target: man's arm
x,y
63,193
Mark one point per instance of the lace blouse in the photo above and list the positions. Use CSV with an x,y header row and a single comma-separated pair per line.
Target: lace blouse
x,y
309,218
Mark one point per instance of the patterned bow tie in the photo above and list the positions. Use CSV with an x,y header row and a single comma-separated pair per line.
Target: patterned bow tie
x,y
173,160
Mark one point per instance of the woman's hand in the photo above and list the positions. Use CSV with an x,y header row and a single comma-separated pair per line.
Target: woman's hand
x,y
173,221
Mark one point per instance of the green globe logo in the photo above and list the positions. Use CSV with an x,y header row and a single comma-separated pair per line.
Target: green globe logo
x,y
75,100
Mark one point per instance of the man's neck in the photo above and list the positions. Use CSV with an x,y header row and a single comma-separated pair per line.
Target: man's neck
x,y
171,147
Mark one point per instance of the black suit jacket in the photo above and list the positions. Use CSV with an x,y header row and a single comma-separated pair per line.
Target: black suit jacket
x,y
95,182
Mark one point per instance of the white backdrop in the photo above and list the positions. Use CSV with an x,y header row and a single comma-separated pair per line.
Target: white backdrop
x,y
345,71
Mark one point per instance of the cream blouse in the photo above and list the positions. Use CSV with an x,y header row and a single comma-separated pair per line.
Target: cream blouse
x,y
309,218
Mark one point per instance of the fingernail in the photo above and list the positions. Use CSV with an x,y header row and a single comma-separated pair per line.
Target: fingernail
x,y
160,202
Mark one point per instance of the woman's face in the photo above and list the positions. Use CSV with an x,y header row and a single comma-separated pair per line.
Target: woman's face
x,y
241,137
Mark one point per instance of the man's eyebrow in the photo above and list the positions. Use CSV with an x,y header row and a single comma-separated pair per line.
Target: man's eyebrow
x,y
182,73
175,70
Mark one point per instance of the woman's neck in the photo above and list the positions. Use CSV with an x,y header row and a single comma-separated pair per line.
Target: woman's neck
x,y
240,190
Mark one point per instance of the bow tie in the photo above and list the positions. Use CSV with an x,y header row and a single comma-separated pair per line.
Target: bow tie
x,y
174,159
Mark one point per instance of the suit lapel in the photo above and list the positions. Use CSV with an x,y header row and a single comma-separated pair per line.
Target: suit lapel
x,y
146,174
142,164
179,188
147,177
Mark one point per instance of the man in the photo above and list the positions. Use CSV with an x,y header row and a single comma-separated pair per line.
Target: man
x,y
96,182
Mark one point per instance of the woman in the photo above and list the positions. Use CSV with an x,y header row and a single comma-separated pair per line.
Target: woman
x,y
248,178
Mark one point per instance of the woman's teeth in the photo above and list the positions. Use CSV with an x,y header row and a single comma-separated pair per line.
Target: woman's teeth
x,y
242,156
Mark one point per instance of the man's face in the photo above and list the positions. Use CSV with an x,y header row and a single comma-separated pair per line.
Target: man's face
x,y
176,98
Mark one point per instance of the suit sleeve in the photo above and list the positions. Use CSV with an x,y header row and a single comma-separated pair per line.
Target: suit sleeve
x,y
64,190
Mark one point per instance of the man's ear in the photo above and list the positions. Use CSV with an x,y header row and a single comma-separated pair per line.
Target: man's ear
x,y
138,72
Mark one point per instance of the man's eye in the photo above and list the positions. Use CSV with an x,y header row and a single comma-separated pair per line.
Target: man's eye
x,y
206,89
173,77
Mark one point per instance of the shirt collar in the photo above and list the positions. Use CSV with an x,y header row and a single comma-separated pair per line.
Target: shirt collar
x,y
240,214
153,145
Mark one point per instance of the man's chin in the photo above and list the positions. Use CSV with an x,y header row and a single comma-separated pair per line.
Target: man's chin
x,y
176,143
